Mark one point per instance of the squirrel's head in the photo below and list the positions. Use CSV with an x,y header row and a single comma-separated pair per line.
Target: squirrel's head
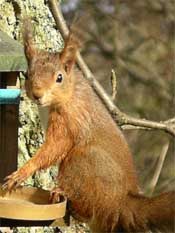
x,y
50,76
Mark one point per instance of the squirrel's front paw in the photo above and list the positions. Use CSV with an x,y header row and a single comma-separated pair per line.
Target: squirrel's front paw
x,y
55,195
14,180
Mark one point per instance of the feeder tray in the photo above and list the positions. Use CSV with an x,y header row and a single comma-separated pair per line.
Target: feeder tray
x,y
30,204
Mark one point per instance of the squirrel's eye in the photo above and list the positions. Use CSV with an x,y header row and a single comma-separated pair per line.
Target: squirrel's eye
x,y
59,78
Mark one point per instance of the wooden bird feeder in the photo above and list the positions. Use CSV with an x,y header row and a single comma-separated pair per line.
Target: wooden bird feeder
x,y
25,206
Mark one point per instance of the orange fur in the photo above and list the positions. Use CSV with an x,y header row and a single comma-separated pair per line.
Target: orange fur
x,y
96,168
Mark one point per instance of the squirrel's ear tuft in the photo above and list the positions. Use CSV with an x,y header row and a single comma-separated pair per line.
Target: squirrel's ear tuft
x,y
27,32
68,55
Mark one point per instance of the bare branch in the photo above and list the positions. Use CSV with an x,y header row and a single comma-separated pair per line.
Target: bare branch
x,y
120,117
124,119
158,169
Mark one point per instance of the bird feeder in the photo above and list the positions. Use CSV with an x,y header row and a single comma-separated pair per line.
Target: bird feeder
x,y
25,206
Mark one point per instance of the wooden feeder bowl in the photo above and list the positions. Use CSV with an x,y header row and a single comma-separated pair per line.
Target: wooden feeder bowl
x,y
30,204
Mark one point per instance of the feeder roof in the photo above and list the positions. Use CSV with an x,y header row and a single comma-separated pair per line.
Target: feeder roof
x,y
12,56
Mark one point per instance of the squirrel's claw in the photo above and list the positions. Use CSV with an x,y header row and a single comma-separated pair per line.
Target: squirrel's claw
x,y
55,195
14,180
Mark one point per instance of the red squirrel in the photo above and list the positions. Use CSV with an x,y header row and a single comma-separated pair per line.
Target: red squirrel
x,y
96,167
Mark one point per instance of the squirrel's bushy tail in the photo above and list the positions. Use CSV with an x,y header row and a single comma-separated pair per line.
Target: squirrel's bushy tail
x,y
142,213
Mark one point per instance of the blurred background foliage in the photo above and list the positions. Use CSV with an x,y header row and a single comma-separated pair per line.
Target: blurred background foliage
x,y
137,40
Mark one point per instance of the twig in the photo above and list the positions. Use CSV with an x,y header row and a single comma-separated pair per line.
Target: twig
x,y
158,169
170,121
114,84
120,117
132,127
